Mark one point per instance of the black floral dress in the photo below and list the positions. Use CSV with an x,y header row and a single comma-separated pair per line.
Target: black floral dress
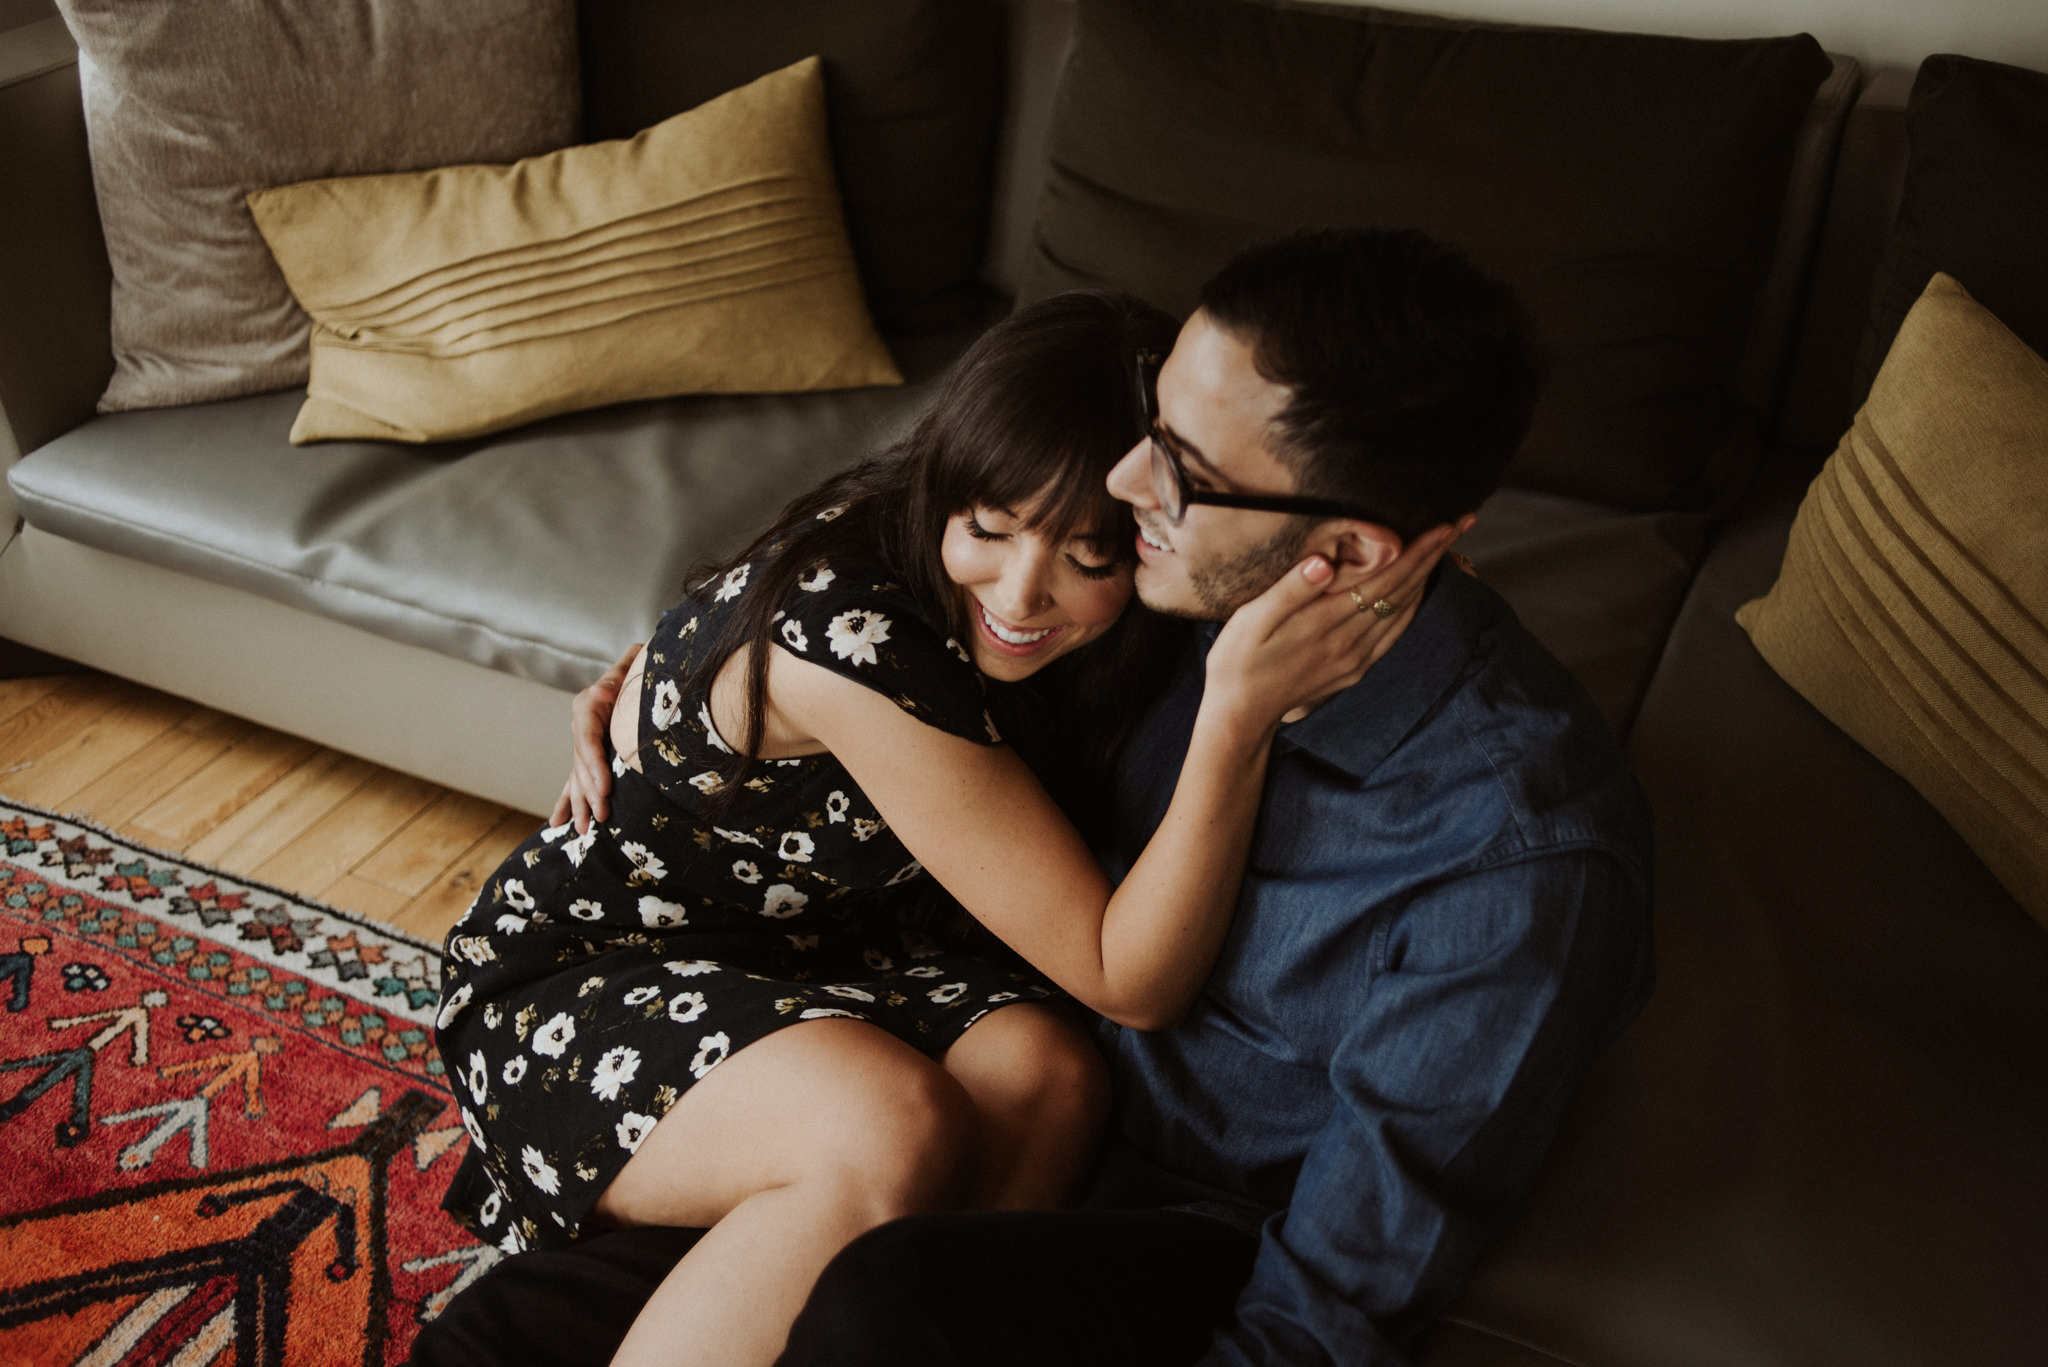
x,y
597,976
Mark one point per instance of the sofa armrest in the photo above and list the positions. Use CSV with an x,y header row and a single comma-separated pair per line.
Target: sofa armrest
x,y
55,282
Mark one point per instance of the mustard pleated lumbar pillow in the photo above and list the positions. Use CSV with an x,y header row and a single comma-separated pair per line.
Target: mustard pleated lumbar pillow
x,y
706,255
1912,607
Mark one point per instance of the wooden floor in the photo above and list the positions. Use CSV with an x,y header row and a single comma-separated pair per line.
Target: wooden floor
x,y
249,801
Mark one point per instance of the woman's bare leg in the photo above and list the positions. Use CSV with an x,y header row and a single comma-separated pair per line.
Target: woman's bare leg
x,y
788,1150
1041,1092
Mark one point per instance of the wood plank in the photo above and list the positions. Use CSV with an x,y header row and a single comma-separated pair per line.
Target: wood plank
x,y
230,783
205,719
365,898
25,736
16,694
282,812
348,833
116,796
85,756
430,914
410,861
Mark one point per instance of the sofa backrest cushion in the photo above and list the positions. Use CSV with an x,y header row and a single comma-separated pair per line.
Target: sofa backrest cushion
x,y
1628,187
1912,608
1975,205
914,92
189,107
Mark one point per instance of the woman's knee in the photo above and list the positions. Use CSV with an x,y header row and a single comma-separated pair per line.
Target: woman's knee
x,y
1032,1060
903,1139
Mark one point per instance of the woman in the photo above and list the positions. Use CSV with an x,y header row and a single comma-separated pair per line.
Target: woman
x,y
722,1005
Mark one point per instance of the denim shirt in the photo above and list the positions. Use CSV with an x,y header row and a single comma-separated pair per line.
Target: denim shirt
x,y
1445,915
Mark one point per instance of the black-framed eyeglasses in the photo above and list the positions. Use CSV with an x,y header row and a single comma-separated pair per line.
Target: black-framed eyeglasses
x,y
1170,478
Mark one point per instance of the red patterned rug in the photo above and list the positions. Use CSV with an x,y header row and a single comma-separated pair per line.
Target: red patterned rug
x,y
224,1128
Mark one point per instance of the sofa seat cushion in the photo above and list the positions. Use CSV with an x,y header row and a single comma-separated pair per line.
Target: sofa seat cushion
x,y
541,552
1821,1140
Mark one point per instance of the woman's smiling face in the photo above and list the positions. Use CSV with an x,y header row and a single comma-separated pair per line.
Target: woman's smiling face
x,y
1029,598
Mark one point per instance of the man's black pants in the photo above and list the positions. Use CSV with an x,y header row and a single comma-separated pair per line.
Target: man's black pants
x,y
1076,1288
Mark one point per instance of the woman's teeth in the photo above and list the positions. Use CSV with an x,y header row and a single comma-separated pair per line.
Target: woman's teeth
x,y
1015,638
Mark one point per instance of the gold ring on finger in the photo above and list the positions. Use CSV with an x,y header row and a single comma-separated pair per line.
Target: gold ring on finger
x,y
1381,607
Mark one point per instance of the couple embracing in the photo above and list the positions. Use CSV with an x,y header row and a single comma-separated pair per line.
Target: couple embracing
x,y
913,859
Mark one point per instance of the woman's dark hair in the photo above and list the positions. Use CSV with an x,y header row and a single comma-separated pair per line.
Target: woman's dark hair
x,y
1043,404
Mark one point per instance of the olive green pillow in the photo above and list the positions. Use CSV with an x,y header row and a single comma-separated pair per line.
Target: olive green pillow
x,y
1912,607
705,255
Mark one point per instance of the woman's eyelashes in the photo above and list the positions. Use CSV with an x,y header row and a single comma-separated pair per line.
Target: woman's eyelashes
x,y
1106,569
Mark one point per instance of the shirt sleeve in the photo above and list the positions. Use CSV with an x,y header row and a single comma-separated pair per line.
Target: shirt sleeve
x,y
1495,991
856,623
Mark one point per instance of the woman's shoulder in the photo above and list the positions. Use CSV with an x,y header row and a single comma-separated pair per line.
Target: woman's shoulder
x,y
857,620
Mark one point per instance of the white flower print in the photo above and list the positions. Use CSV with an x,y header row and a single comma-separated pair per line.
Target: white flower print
x,y
863,828
796,847
656,914
583,909
513,1242
711,736
668,705
508,924
735,580
854,635
538,1170
476,1131
735,837
854,992
553,833
492,1015
924,971
474,948
959,650
821,578
949,993
793,636
646,863
877,960
711,1051
640,996
515,1070
746,871
451,1007
690,968
553,1038
487,1213
478,1077
579,847
517,896
905,874
783,902
685,1007
614,1071
836,804
706,782
820,1012
618,766
995,997
632,1129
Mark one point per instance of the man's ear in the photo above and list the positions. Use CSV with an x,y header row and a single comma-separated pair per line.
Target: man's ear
x,y
1366,546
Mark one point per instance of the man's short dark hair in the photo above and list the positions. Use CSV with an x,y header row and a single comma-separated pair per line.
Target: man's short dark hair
x,y
1413,373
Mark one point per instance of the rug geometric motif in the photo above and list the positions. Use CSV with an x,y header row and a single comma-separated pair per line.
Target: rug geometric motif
x,y
224,1127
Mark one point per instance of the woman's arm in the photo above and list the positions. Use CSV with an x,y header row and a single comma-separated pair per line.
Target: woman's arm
x,y
979,821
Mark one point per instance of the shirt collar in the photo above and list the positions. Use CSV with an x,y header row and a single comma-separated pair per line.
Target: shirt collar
x,y
1357,728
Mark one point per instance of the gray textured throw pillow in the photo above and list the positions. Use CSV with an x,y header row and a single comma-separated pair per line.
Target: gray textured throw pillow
x,y
191,104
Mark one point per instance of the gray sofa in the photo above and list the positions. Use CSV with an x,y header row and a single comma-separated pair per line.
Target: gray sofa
x,y
1823,1140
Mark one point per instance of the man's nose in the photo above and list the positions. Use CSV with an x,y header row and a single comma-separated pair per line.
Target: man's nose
x,y
1130,479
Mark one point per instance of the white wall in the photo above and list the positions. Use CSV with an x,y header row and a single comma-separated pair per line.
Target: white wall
x,y
1895,32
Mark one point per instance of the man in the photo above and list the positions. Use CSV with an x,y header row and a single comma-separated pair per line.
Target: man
x,y
1444,917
